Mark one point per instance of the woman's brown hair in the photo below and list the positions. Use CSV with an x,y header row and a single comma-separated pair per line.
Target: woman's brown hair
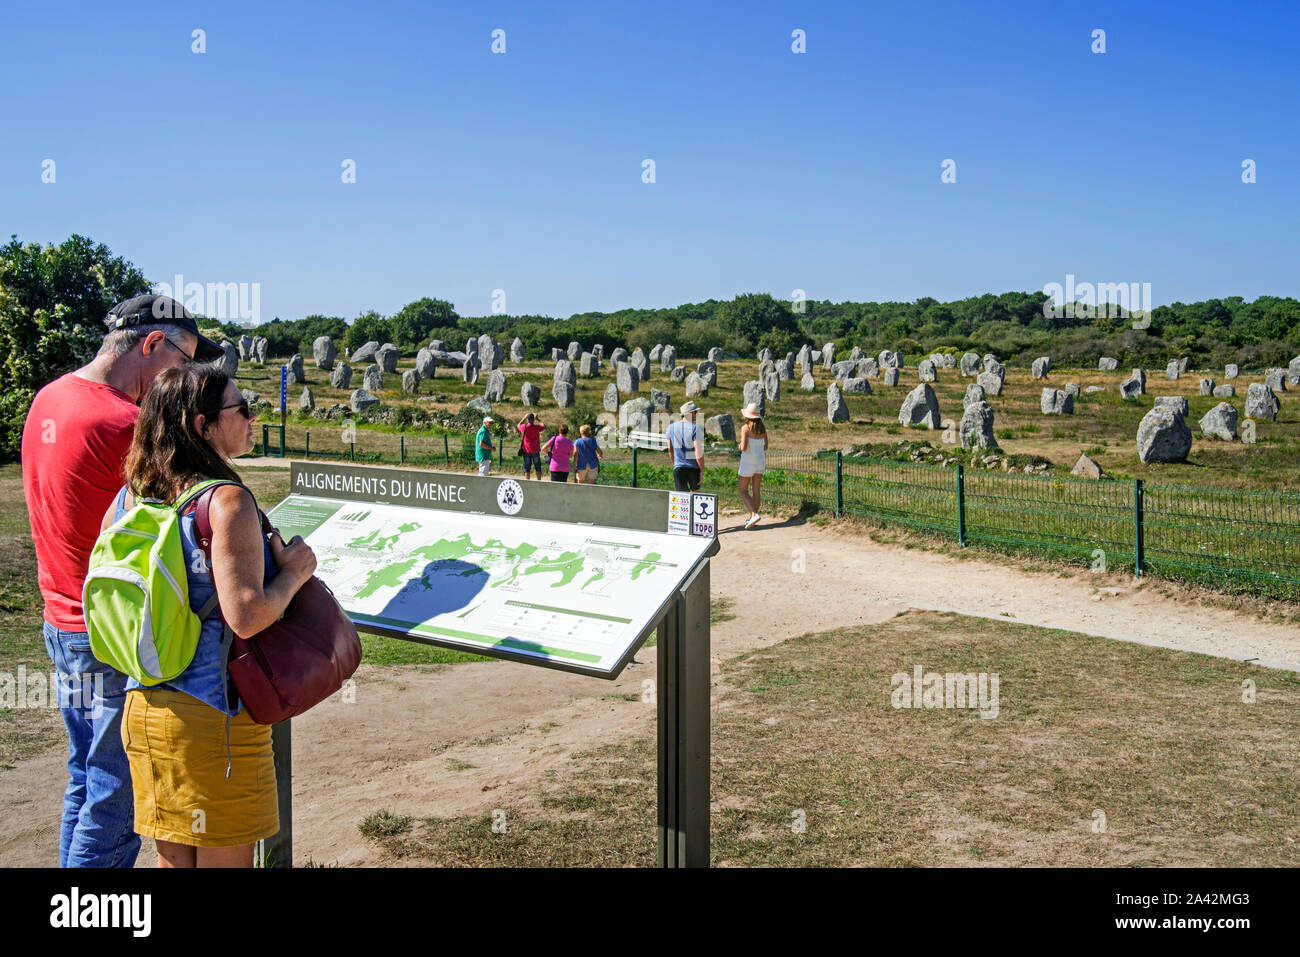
x,y
167,456
756,428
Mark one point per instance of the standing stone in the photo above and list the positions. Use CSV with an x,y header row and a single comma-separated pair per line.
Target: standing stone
x,y
1207,387
496,386
721,427
1261,403
678,374
920,407
925,370
772,386
469,371
843,370
341,376
1107,364
1040,367
1056,402
641,364
887,359
611,398
1220,422
1182,365
557,353
322,350
411,382
1072,388
1231,370
387,356
1224,391
976,428
658,400
668,359
372,380
1141,378
989,361
245,348
530,395
656,352
828,355
708,369
634,415
589,365
471,346
563,392
296,373
489,353
1171,370
1163,436
785,369
991,382
1087,467
437,345
715,355
574,351
617,356
1130,389
970,364
564,372
855,353
365,353
426,363
868,368
890,375
808,383
229,361
362,400
696,386
1275,379
856,387
260,345
755,395
974,393
627,377
306,401
518,352
837,410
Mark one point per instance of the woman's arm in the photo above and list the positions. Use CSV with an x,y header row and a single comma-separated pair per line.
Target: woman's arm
x,y
238,566
744,437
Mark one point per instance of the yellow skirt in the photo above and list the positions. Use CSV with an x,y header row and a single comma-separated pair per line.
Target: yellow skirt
x,y
176,746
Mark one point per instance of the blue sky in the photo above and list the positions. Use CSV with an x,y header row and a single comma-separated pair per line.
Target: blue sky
x,y
775,171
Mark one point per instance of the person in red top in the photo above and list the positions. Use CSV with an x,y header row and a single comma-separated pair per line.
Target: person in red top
x,y
530,430
75,441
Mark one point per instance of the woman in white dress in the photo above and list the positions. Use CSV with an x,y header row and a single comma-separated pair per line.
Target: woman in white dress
x,y
753,446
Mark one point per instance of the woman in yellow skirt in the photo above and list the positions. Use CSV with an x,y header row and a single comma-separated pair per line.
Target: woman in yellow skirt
x,y
201,768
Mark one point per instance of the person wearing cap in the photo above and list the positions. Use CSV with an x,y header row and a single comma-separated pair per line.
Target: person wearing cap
x,y
753,448
686,447
75,440
483,447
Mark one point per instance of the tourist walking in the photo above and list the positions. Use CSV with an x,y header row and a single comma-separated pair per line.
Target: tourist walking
x,y
202,771
587,454
686,449
530,445
560,446
753,449
483,447
75,439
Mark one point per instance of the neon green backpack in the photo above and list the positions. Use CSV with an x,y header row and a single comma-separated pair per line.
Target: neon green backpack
x,y
136,595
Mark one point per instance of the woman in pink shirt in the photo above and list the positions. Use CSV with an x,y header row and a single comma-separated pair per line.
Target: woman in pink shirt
x,y
561,449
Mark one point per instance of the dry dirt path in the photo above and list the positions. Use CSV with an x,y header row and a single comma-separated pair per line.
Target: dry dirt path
x,y
396,745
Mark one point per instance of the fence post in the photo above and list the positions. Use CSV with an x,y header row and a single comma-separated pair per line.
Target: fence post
x,y
446,453
352,449
634,451
501,451
401,440
306,448
1139,558
961,506
839,483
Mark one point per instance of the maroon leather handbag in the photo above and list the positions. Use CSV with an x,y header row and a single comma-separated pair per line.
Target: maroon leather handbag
x,y
299,661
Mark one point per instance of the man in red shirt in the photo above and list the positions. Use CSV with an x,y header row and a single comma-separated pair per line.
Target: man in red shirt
x,y
75,440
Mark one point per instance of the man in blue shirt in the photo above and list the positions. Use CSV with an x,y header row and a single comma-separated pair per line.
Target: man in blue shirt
x,y
686,446
483,447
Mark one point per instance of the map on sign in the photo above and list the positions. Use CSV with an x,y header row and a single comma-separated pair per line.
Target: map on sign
x,y
574,595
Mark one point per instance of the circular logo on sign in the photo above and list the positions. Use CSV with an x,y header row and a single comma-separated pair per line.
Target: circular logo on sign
x,y
510,496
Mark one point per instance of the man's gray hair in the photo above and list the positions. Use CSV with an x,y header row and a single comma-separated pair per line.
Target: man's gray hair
x,y
118,342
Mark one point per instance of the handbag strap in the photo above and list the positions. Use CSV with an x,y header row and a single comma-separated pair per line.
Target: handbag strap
x,y
203,529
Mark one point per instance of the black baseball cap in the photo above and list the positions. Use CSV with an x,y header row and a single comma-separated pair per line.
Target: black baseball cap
x,y
151,310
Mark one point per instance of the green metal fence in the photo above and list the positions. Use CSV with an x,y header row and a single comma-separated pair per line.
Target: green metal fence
x,y
1228,538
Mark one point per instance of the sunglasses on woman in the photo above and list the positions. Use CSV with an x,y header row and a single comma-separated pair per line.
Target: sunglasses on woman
x,y
242,406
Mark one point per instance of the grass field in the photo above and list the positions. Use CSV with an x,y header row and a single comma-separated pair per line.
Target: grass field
x,y
1103,424
1102,754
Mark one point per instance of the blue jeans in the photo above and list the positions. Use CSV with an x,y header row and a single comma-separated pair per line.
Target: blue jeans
x,y
98,806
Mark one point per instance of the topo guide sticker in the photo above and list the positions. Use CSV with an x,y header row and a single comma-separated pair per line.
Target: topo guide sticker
x,y
704,515
679,513
510,497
